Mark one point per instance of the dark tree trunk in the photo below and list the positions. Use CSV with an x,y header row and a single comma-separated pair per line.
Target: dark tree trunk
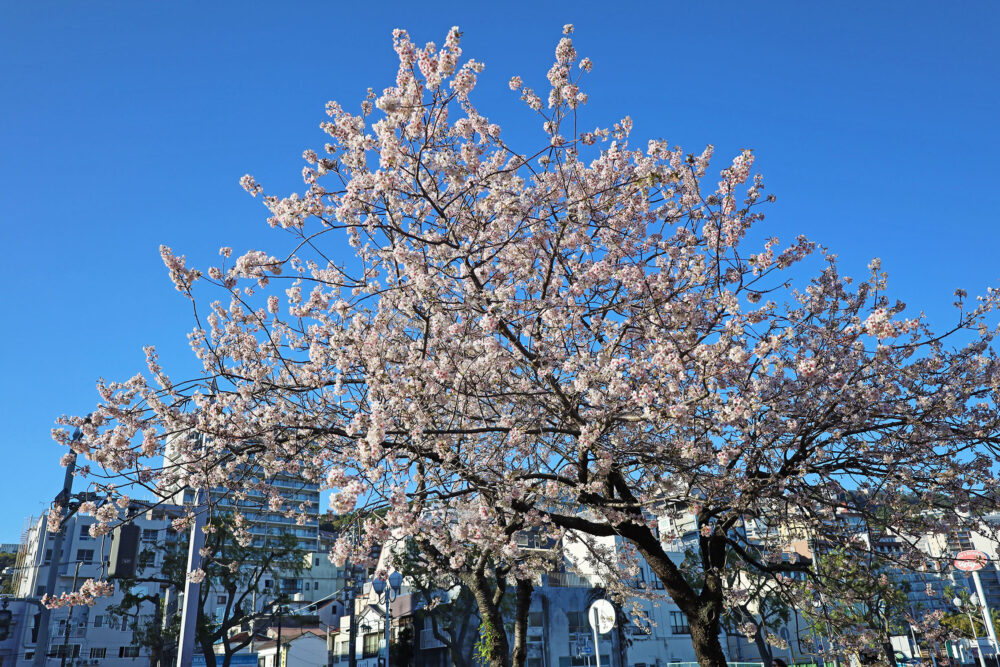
x,y
521,609
705,638
492,632
703,608
763,648
703,611
889,654
209,653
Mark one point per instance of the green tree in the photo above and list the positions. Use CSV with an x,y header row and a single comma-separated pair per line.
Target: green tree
x,y
862,603
7,560
447,607
959,621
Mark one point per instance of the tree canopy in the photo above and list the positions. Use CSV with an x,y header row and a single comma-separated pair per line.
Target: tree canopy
x,y
575,336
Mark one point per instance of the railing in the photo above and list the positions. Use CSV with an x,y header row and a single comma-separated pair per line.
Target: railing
x,y
566,580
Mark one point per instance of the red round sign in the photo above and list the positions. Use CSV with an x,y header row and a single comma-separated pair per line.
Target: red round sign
x,y
969,561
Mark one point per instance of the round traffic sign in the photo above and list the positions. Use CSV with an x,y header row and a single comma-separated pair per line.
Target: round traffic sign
x,y
602,616
971,560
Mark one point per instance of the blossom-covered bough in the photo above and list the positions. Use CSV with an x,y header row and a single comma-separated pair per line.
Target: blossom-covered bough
x,y
571,338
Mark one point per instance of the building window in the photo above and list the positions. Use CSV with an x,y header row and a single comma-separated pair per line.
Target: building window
x,y
98,653
679,623
150,534
98,621
577,622
221,599
85,532
371,644
128,651
85,556
124,623
63,650
48,557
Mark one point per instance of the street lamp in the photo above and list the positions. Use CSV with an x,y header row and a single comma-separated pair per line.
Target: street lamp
x,y
957,601
391,592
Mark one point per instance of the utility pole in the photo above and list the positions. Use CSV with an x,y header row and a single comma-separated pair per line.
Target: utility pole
x,y
277,653
192,589
69,618
45,614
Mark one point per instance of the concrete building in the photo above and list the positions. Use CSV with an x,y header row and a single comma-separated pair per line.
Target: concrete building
x,y
88,635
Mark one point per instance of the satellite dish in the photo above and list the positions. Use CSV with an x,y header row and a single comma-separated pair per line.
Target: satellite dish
x,y
601,616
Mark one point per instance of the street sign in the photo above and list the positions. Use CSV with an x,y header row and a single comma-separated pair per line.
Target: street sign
x,y
602,616
971,560
586,650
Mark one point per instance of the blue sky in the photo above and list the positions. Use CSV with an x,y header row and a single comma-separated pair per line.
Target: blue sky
x,y
124,125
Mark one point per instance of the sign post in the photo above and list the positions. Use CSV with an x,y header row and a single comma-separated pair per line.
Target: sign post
x,y
602,618
973,561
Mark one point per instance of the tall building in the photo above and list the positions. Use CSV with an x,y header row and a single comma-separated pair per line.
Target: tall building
x,y
297,514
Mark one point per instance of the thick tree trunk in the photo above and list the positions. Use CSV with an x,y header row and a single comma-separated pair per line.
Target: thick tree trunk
x,y
521,609
493,636
704,608
703,611
705,638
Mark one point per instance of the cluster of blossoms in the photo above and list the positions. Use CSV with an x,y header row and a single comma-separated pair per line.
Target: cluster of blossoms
x,y
88,594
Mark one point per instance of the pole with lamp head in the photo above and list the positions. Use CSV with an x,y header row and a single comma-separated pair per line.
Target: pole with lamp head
x,y
957,601
391,592
972,560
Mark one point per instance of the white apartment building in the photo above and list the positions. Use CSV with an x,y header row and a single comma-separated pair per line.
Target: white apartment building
x,y
95,635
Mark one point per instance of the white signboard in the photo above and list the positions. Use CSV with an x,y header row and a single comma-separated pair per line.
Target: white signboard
x,y
602,616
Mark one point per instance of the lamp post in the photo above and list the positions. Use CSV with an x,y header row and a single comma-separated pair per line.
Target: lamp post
x,y
957,601
395,585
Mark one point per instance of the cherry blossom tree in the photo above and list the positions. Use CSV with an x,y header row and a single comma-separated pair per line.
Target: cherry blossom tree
x,y
577,337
